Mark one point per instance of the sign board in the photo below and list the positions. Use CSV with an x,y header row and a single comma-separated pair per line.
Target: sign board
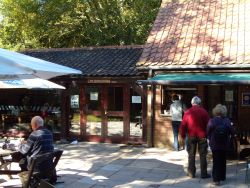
x,y
74,101
99,81
136,99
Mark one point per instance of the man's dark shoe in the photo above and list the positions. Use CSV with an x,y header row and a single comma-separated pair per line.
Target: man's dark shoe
x,y
191,175
206,176
217,183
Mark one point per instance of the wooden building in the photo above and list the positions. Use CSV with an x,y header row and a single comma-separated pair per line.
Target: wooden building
x,y
197,48
194,48
103,103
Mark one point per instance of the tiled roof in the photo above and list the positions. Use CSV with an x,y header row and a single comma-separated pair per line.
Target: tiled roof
x,y
204,33
96,61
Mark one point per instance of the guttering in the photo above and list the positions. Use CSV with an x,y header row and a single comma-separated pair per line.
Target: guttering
x,y
167,82
198,67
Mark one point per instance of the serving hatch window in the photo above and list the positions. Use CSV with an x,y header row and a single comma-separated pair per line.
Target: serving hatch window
x,y
185,94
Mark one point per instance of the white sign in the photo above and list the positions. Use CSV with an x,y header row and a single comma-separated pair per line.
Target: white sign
x,y
136,99
229,96
94,96
74,101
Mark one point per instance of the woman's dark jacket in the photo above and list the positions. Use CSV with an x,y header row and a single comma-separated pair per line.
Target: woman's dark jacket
x,y
219,121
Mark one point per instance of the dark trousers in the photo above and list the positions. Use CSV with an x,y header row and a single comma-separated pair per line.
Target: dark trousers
x,y
193,142
21,159
176,126
219,165
23,164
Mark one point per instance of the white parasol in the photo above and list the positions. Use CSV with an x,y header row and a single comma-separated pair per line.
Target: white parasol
x,y
15,65
34,83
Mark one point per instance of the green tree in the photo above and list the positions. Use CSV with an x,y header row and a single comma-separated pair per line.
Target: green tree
x,y
75,23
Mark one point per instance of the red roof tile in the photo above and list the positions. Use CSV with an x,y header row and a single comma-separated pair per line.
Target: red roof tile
x,y
199,33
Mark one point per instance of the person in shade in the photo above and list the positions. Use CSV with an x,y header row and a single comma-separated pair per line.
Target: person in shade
x,y
219,131
194,123
177,109
40,141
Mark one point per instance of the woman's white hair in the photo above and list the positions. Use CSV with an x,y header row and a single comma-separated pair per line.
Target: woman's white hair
x,y
196,100
220,110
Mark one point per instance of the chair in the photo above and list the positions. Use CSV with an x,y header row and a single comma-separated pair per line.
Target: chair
x,y
242,140
34,177
45,184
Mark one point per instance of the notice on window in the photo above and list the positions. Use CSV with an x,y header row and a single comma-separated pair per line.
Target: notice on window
x,y
94,96
74,101
245,99
229,95
136,99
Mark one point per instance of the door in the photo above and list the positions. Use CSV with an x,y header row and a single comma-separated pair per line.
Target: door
x,y
226,95
93,110
106,113
114,112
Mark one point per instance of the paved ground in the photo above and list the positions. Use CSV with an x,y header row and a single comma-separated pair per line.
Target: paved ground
x,y
94,165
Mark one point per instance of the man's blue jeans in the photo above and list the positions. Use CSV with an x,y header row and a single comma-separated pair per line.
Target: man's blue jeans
x,y
176,126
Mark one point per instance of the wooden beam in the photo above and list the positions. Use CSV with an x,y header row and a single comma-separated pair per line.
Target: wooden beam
x,y
83,113
65,111
104,109
144,113
126,110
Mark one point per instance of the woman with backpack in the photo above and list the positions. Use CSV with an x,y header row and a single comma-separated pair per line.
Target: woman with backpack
x,y
219,131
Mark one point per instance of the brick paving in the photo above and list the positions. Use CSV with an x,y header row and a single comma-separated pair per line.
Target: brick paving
x,y
95,165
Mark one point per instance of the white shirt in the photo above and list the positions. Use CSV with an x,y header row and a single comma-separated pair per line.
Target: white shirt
x,y
177,108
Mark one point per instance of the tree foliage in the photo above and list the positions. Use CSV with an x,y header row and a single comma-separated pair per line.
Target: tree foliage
x,y
75,23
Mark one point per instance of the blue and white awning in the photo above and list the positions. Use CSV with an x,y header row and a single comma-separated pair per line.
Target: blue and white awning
x,y
198,78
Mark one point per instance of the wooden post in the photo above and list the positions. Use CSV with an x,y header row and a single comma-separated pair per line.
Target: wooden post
x,y
83,112
150,116
65,112
144,113
201,93
104,111
126,112
153,115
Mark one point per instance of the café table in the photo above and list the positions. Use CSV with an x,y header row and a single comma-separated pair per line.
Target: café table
x,y
5,163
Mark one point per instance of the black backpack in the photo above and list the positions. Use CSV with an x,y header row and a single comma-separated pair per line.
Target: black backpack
x,y
220,133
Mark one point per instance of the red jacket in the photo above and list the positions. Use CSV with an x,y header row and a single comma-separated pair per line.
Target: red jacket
x,y
195,121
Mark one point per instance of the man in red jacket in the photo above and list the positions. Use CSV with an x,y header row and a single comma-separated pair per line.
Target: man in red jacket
x,y
194,124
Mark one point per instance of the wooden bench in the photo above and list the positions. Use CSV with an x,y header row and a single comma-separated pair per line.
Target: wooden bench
x,y
242,140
